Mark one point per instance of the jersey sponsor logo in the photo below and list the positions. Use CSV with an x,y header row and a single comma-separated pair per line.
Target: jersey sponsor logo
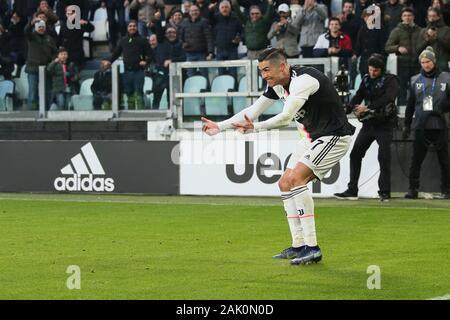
x,y
419,86
84,173
300,114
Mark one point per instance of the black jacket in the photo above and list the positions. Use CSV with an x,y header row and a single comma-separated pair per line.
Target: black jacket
x,y
196,36
134,49
168,51
225,30
102,82
72,40
369,42
378,94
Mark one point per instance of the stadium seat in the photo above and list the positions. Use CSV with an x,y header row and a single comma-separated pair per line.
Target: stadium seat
x,y
82,102
357,84
148,92
86,87
100,33
163,105
6,95
194,84
101,14
218,106
240,103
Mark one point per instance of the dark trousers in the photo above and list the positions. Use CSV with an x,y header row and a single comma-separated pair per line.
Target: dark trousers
x,y
368,134
160,83
420,149
227,54
307,52
404,75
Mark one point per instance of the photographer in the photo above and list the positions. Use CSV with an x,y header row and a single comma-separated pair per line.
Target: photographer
x,y
285,32
429,99
379,117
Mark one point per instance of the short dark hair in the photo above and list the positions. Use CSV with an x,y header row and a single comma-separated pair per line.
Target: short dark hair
x,y
334,19
376,60
272,54
408,9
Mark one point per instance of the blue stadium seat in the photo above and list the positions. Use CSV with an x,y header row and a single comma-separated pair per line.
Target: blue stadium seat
x,y
7,88
218,106
194,84
240,103
275,108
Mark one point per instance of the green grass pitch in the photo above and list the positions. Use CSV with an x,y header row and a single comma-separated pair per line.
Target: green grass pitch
x,y
140,247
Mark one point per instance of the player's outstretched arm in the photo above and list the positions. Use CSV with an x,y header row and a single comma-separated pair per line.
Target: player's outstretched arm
x,y
252,112
210,127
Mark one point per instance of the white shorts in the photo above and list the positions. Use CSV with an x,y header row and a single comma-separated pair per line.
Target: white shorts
x,y
321,155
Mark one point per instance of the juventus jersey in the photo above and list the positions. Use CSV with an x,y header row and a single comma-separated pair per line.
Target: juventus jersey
x,y
322,113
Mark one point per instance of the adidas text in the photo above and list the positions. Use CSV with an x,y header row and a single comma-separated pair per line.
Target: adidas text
x,y
86,183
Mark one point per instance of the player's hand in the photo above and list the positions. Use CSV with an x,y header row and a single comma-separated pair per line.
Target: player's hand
x,y
210,127
244,126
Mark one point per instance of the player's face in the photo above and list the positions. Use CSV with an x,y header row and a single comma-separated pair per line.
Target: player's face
x,y
427,64
374,72
273,73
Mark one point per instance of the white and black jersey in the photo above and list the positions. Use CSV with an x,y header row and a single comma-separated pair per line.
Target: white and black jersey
x,y
310,99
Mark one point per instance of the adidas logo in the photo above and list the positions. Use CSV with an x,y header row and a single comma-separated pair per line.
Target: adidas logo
x,y
82,169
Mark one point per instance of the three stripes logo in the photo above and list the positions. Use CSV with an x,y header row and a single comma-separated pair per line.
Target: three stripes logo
x,y
79,174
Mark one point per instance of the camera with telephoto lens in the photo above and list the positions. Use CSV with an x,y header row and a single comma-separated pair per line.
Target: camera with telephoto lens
x,y
342,85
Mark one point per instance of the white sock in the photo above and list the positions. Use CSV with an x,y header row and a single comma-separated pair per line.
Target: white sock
x,y
305,208
293,220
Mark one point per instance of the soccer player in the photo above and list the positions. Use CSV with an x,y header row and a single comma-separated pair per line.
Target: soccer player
x,y
310,98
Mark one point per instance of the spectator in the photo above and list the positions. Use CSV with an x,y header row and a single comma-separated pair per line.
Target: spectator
x,y
41,50
370,40
13,40
186,8
72,39
420,9
392,14
51,31
149,11
310,19
227,32
63,4
285,32
164,54
437,36
256,27
102,87
334,43
428,103
196,37
136,54
294,7
65,79
171,6
175,20
116,27
379,90
52,18
350,23
404,41
207,9
361,5
6,64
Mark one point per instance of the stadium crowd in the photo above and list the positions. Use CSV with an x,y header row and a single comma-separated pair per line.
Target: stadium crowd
x,y
150,34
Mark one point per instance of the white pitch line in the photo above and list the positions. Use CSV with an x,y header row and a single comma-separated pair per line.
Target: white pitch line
x,y
446,297
199,203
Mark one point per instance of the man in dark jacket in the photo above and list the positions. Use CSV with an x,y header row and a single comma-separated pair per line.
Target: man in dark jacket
x,y
170,50
369,41
404,41
41,50
379,90
392,10
428,100
196,36
436,35
136,54
72,39
102,87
